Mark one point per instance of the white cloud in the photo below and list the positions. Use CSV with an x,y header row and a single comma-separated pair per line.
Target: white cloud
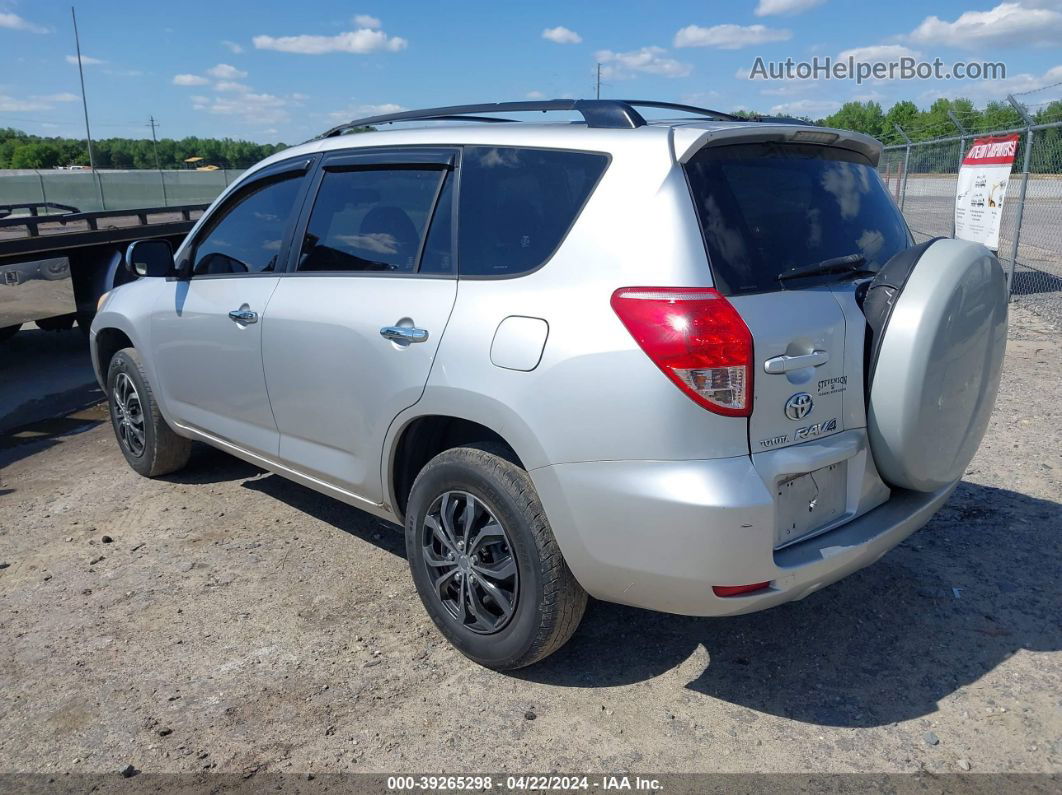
x,y
15,105
561,35
38,102
535,95
224,71
648,60
879,52
998,89
358,42
1018,24
769,7
806,107
15,22
700,98
250,107
189,80
729,37
86,60
366,21
65,96
231,86
233,47
364,111
788,88
869,96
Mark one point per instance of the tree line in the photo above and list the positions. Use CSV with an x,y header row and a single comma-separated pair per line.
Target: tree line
x,y
21,150
925,125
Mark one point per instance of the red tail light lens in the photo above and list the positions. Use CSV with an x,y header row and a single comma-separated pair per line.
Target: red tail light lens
x,y
697,338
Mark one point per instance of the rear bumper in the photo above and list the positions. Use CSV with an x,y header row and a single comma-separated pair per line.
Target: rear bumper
x,y
660,534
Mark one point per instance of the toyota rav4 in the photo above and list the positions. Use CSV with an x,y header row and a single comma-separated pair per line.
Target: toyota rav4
x,y
696,365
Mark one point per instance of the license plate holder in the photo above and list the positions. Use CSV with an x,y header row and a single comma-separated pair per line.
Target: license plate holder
x,y
808,502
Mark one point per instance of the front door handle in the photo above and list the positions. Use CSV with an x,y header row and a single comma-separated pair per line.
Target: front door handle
x,y
404,335
243,315
785,364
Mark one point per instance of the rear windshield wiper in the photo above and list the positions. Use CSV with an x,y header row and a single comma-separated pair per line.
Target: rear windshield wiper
x,y
849,264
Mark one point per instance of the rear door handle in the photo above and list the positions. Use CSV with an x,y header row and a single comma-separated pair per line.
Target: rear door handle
x,y
785,364
243,316
404,334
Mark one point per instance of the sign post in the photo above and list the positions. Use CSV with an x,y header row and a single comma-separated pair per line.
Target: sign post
x,y
982,189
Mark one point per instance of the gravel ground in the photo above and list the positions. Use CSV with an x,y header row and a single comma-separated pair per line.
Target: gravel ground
x,y
226,620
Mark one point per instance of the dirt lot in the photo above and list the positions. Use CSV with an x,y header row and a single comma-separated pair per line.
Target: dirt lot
x,y
227,620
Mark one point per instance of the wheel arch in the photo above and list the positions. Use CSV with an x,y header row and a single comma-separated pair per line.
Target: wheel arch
x,y
108,341
424,431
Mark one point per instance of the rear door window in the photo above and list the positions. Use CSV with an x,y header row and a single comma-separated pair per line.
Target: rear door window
x,y
516,205
767,208
375,219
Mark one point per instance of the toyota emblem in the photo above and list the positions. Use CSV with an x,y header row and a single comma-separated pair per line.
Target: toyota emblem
x,y
799,406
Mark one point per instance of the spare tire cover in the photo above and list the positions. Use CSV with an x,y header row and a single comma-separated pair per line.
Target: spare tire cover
x,y
936,365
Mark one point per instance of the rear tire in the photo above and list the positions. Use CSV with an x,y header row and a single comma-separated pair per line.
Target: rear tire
x,y
149,445
546,603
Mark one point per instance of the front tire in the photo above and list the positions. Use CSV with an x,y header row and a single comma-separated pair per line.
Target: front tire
x,y
149,445
485,562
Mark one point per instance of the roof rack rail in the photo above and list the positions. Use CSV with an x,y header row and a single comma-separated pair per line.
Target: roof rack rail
x,y
780,120
601,113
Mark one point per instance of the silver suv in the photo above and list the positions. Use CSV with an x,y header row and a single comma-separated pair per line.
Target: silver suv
x,y
697,365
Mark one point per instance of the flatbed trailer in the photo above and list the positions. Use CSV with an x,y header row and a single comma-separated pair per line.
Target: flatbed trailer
x,y
55,266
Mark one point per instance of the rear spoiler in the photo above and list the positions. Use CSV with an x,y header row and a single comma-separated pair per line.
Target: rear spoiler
x,y
690,140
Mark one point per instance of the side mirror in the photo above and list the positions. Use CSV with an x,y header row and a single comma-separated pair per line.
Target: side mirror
x,y
149,258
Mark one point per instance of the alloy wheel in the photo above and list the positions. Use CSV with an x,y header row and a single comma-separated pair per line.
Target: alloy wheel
x,y
470,562
128,415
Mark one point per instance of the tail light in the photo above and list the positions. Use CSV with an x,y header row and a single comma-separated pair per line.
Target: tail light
x,y
697,338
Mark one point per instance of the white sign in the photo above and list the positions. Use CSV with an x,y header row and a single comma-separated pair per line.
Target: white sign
x,y
982,187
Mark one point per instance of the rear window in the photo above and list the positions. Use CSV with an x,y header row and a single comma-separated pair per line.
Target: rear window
x,y
767,208
516,205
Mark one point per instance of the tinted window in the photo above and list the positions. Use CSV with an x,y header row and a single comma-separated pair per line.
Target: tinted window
x,y
370,220
438,249
247,236
517,205
767,208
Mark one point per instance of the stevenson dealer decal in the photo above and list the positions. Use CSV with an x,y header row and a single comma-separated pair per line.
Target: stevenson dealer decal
x,y
982,188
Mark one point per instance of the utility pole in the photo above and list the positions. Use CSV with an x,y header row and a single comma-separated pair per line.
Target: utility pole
x,y
84,105
84,100
155,141
598,81
158,165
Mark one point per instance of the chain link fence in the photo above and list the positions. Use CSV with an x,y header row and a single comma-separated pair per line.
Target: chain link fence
x,y
91,191
923,178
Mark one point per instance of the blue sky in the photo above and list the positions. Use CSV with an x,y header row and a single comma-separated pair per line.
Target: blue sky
x,y
286,71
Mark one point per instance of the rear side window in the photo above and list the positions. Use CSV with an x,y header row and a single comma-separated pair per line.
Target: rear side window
x,y
767,208
516,205
375,220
